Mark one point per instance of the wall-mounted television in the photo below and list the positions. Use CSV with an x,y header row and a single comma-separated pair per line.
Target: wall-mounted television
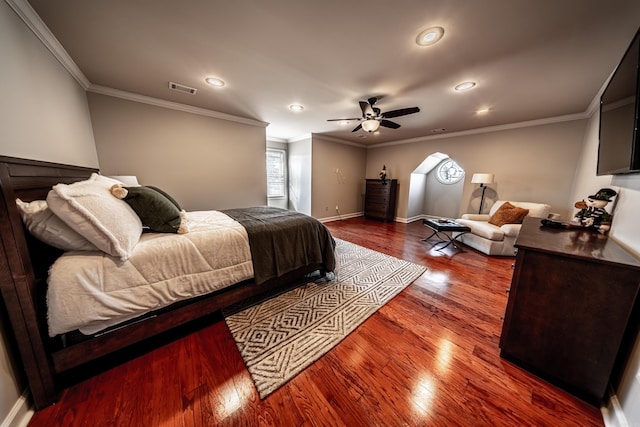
x,y
619,148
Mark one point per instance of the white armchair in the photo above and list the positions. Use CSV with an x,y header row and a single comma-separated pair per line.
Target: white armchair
x,y
491,239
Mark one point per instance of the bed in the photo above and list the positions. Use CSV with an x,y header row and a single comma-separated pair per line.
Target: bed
x,y
48,354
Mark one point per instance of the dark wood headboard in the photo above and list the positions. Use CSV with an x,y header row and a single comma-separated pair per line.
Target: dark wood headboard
x,y
24,262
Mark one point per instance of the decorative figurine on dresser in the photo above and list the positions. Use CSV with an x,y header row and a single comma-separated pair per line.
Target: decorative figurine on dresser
x,y
592,213
380,197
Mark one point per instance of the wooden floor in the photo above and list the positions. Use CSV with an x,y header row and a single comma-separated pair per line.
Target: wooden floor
x,y
429,357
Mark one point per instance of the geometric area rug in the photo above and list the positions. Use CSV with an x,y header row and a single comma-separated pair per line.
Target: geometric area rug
x,y
281,336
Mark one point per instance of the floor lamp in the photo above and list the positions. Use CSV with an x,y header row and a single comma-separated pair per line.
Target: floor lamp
x,y
483,179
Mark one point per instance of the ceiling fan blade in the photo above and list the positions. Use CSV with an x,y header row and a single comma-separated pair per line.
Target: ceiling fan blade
x,y
340,120
389,124
357,128
367,111
401,112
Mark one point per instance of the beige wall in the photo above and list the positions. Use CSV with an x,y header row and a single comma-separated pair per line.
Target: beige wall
x,y
535,163
203,162
43,116
337,178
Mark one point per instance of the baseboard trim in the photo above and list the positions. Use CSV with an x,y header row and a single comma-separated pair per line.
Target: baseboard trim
x,y
20,413
340,217
612,414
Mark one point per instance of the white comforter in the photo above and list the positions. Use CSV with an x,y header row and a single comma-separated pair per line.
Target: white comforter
x,y
91,291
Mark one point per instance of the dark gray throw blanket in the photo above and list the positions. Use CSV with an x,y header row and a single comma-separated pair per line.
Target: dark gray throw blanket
x,y
282,241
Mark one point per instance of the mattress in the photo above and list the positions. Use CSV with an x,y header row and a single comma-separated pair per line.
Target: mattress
x,y
91,291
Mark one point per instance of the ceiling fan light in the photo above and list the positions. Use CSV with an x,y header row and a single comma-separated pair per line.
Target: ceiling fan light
x,y
370,125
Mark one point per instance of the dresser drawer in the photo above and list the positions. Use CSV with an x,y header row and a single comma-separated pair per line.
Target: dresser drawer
x,y
380,199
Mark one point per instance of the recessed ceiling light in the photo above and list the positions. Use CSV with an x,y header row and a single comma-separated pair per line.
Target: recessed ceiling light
x,y
482,110
214,81
465,86
296,107
430,36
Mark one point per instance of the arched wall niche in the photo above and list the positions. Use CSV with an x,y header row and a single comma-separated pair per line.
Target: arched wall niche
x,y
428,196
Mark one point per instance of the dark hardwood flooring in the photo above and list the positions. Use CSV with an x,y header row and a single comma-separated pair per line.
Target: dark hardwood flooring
x,y
429,357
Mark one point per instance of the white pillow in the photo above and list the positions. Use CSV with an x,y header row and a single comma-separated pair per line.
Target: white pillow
x,y
89,208
50,229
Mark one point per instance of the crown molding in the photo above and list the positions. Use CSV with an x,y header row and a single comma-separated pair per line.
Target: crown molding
x,y
39,28
116,93
530,123
337,140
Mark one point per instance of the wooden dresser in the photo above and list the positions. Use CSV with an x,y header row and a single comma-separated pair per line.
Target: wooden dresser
x,y
380,199
573,308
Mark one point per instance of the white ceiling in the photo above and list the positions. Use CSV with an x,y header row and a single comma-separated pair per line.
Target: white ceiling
x,y
531,59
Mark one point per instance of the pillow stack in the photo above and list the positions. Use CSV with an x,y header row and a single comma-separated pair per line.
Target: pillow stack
x,y
44,225
155,208
85,216
89,208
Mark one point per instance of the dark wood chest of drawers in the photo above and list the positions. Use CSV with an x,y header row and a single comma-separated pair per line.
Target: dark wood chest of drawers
x,y
572,314
380,199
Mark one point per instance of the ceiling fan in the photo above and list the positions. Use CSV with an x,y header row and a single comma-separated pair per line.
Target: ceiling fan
x,y
372,118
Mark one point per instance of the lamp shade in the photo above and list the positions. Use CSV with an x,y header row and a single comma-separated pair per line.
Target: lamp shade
x,y
482,178
370,125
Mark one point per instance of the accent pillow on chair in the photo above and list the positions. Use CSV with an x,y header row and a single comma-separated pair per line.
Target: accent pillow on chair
x,y
508,214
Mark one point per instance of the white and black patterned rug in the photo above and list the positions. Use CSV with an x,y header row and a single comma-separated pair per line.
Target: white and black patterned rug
x,y
281,336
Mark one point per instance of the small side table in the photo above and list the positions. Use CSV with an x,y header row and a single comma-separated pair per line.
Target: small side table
x,y
439,226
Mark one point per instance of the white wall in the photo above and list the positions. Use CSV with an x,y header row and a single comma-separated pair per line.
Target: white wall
x,y
442,200
416,196
300,175
43,116
277,201
625,229
43,110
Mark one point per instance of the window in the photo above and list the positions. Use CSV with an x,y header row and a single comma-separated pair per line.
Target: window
x,y
276,173
448,172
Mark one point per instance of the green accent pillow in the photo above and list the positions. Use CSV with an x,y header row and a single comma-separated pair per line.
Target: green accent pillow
x,y
165,194
156,209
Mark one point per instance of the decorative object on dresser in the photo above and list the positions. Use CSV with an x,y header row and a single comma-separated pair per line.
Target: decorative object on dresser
x,y
483,179
592,213
383,174
572,314
380,199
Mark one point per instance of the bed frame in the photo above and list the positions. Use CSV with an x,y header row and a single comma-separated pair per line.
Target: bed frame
x,y
24,263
